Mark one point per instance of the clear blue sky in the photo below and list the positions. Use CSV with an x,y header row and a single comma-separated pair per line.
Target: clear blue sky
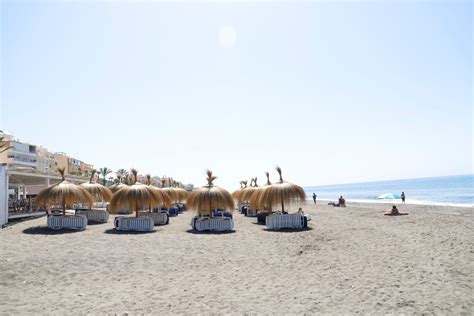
x,y
332,92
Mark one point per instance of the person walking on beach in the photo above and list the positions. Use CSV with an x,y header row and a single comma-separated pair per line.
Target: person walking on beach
x,y
314,198
403,197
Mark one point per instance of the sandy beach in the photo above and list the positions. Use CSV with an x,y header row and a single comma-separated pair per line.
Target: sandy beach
x,y
352,260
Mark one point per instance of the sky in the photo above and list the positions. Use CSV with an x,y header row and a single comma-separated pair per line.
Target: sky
x,y
333,92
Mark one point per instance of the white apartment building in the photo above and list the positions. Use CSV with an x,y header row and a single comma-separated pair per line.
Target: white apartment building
x,y
21,155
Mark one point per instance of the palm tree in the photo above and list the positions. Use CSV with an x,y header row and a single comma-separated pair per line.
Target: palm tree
x,y
123,174
104,172
3,145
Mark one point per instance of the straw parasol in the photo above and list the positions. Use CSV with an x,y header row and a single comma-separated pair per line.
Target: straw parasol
x,y
182,193
209,197
254,199
280,192
136,197
246,194
98,191
237,194
164,195
173,195
64,193
117,186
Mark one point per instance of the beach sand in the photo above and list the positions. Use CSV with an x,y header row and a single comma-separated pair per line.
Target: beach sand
x,y
352,260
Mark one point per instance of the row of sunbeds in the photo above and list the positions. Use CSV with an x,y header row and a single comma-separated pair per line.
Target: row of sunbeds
x,y
219,221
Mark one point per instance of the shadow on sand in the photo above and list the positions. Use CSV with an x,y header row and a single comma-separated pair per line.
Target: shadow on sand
x,y
113,231
44,230
96,223
208,232
288,230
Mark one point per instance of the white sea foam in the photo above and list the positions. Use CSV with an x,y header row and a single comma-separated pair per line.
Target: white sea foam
x,y
397,201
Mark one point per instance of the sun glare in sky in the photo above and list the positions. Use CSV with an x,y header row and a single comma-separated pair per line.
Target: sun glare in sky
x,y
227,36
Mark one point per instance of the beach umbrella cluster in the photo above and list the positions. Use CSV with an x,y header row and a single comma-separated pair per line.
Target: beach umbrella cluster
x,y
64,193
204,200
133,197
275,195
138,196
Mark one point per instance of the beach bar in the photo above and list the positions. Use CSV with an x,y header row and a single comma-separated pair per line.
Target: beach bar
x,y
23,185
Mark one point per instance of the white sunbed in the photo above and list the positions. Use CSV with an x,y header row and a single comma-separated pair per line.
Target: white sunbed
x,y
141,224
159,218
99,216
217,224
292,221
78,222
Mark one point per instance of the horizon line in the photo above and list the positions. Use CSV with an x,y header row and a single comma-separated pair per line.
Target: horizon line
x,y
376,181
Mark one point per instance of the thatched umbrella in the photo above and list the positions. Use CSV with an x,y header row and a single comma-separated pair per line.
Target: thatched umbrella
x,y
173,195
237,194
165,196
209,197
246,194
180,192
98,191
280,192
117,186
254,199
64,193
135,197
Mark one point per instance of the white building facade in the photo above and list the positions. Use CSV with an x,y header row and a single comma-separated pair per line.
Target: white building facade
x,y
3,195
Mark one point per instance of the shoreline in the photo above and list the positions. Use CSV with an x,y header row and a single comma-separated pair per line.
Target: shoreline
x,y
396,202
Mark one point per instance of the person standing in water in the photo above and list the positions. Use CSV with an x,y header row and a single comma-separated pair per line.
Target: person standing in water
x,y
314,198
403,197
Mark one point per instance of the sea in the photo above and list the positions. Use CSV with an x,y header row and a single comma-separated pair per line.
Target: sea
x,y
449,190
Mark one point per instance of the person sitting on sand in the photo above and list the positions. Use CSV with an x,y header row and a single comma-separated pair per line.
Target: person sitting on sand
x,y
394,212
342,202
300,211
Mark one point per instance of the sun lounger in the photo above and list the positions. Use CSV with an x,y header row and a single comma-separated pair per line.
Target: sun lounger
x,y
217,224
181,207
78,222
292,221
98,216
159,218
140,224
262,216
242,207
221,213
173,211
251,213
